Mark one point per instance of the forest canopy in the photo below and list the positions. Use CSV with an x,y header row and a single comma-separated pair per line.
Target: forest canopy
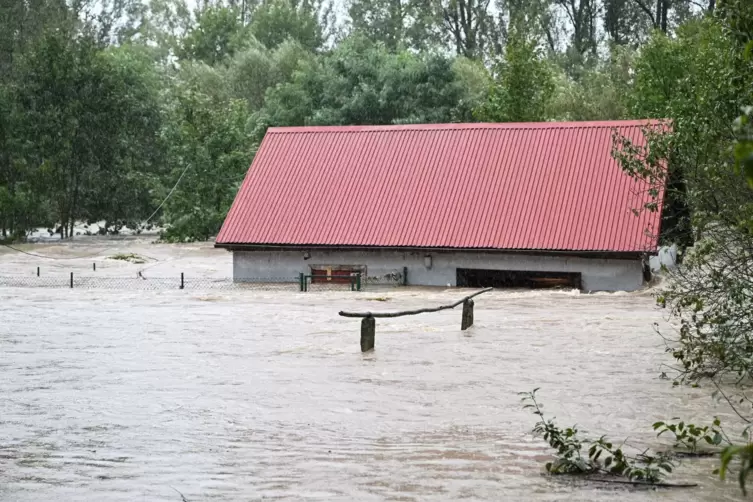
x,y
106,104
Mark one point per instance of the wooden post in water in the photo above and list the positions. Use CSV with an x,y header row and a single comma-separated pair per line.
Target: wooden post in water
x,y
368,333
37,271
368,322
71,280
467,319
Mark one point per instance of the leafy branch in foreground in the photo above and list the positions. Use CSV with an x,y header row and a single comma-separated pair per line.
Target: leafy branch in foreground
x,y
603,456
691,437
745,455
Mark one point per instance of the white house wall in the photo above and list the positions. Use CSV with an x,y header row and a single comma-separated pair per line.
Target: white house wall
x,y
596,274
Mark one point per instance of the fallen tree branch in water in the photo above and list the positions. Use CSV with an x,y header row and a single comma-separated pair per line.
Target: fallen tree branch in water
x,y
644,483
412,312
182,497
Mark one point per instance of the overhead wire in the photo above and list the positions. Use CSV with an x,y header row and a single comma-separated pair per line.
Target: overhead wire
x,y
168,195
179,180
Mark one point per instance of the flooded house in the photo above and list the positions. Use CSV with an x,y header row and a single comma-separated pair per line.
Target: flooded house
x,y
469,205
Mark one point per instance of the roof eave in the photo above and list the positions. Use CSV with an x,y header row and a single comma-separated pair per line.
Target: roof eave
x,y
311,247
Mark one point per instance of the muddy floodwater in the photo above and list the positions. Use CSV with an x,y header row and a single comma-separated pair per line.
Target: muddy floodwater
x,y
250,395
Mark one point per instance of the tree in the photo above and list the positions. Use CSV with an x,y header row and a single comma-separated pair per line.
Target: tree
x,y
395,23
583,16
126,169
664,15
625,22
255,70
94,118
523,87
469,27
276,21
210,149
217,34
21,24
710,295
363,83
162,27
600,93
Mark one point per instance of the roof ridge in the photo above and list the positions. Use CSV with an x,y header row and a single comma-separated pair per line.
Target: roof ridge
x,y
458,126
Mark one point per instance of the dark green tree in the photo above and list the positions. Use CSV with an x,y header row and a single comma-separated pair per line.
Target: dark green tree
x,y
276,21
217,34
523,86
364,83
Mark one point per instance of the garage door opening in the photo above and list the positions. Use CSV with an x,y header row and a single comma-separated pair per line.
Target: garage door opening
x,y
478,278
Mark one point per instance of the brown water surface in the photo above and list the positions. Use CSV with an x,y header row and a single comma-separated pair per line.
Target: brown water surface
x,y
232,395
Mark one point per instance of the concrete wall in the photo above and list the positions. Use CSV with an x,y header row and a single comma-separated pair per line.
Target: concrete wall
x,y
597,274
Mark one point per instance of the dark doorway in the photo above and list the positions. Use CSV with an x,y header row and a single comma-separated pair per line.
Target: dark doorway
x,y
478,278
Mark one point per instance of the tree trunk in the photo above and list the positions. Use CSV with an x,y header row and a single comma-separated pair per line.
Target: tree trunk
x,y
12,192
74,202
664,15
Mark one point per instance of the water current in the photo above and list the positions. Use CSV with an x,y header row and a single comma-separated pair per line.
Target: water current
x,y
247,395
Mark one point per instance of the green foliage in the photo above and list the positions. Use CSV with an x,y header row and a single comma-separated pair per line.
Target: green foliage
x,y
744,454
129,257
255,70
603,456
210,148
690,436
94,116
276,21
743,147
363,83
694,81
600,93
700,80
395,23
523,88
217,34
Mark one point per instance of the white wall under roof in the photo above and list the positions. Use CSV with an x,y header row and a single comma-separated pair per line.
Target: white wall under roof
x,y
596,274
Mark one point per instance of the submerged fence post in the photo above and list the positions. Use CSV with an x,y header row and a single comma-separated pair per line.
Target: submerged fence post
x,y
368,319
71,280
94,266
37,271
300,281
181,281
368,332
467,319
405,276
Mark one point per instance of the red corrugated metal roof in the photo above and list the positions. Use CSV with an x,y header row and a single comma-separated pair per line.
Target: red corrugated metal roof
x,y
533,186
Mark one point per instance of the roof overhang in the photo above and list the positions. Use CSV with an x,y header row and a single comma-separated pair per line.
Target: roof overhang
x,y
582,253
